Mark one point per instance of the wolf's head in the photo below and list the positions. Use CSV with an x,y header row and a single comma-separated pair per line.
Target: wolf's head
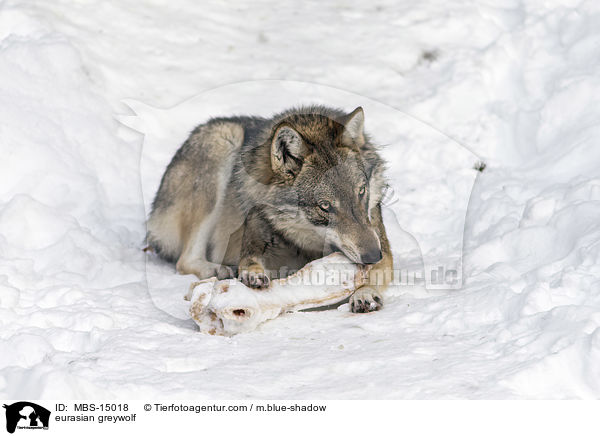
x,y
335,176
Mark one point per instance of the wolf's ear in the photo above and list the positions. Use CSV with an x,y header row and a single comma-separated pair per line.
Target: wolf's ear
x,y
287,151
354,124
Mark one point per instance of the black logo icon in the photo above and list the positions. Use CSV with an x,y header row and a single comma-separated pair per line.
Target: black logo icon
x,y
26,415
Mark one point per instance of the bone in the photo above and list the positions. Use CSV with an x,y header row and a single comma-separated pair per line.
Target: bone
x,y
228,307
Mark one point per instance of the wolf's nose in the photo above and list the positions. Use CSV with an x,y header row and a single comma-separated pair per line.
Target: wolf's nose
x,y
372,256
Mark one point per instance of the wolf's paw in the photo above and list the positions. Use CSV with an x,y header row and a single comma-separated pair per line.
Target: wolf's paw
x,y
254,279
204,269
365,300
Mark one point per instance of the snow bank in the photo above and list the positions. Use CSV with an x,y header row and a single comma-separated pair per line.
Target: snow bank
x,y
515,85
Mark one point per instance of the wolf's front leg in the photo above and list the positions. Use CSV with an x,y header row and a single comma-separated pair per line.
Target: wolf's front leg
x,y
255,241
193,260
368,298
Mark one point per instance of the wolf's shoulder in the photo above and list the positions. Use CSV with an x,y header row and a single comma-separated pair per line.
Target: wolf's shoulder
x,y
244,121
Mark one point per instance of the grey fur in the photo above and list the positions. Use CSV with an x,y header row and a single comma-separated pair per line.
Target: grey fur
x,y
261,197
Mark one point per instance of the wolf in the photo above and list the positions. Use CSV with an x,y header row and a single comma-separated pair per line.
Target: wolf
x,y
261,197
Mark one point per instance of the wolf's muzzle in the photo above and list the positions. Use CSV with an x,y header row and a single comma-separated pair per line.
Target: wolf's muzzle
x,y
370,257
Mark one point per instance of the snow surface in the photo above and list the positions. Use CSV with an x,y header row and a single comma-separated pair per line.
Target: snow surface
x,y
515,85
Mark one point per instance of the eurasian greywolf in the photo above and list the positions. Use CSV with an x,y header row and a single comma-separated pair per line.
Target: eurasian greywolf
x,y
260,197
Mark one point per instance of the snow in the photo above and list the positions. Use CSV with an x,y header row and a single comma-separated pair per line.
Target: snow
x,y
443,84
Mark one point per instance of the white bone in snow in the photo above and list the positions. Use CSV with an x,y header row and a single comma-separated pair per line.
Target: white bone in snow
x,y
228,307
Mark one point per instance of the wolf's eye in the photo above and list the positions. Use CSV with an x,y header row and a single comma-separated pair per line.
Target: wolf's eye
x,y
325,206
361,191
